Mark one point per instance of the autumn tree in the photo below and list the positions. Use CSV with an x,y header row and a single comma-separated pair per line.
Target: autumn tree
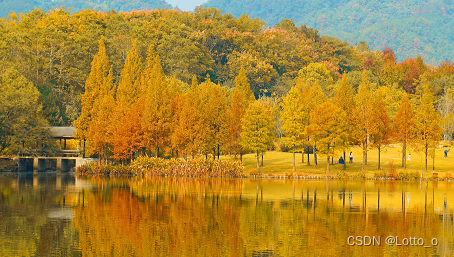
x,y
344,98
127,116
213,127
128,88
157,117
243,86
293,122
329,128
93,123
403,125
239,101
257,134
186,133
411,71
312,97
380,131
427,121
317,73
363,129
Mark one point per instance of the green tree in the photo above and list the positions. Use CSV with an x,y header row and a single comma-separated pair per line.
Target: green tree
x,y
257,134
317,73
239,101
21,119
293,122
128,88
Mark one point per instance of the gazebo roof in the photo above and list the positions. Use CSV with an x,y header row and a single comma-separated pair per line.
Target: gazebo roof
x,y
62,132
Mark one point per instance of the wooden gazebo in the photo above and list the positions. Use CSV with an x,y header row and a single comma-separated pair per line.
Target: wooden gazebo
x,y
63,134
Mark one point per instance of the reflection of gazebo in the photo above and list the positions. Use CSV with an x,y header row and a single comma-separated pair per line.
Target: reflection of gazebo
x,y
64,133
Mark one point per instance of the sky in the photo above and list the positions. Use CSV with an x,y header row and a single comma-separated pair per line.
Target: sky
x,y
186,5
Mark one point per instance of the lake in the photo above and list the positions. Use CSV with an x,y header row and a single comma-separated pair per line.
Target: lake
x,y
49,214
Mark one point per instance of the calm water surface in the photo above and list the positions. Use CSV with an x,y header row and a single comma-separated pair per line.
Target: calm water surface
x,y
61,215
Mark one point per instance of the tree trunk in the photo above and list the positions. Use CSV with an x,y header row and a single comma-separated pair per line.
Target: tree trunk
x,y
258,163
308,159
363,166
426,155
433,160
327,165
315,156
379,149
294,166
404,155
345,162
218,153
241,157
262,158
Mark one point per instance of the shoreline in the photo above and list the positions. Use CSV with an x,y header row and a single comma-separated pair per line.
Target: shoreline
x,y
200,168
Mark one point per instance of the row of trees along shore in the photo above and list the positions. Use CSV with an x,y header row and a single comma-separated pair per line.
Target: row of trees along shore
x,y
147,113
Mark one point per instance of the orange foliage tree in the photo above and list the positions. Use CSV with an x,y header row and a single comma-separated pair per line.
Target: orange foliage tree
x,y
403,125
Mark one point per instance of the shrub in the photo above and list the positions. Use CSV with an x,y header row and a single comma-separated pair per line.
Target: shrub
x,y
104,169
199,167
151,166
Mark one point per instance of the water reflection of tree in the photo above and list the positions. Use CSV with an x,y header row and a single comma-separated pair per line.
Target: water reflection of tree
x,y
159,217
160,220
301,230
25,227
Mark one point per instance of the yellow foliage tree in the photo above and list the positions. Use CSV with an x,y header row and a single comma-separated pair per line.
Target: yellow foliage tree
x,y
293,120
427,121
128,115
239,101
94,123
344,98
257,134
329,128
213,127
362,132
157,118
403,127
380,124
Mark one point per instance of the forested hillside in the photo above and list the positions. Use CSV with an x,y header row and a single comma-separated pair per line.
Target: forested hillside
x,y
409,27
54,50
176,82
25,6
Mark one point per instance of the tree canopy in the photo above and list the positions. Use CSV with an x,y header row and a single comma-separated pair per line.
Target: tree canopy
x,y
411,28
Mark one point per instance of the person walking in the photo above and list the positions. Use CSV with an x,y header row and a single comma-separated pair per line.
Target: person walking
x,y
409,157
351,158
446,153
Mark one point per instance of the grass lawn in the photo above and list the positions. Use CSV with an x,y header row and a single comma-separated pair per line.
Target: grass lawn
x,y
281,162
